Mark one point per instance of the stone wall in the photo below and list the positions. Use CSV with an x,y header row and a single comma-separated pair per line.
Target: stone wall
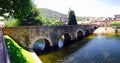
x,y
106,30
19,34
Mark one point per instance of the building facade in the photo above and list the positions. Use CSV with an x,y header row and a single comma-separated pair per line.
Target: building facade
x,y
117,17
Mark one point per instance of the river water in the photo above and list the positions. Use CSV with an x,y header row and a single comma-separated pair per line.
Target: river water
x,y
92,49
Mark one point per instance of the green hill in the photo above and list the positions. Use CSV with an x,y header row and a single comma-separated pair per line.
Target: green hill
x,y
50,14
54,15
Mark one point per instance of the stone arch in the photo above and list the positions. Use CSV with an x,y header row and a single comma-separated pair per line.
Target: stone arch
x,y
41,45
91,30
81,31
79,34
46,39
96,27
102,25
87,32
65,39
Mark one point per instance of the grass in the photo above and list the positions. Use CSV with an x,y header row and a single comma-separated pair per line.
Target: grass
x,y
16,53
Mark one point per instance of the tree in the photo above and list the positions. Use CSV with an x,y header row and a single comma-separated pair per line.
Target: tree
x,y
72,18
22,10
34,18
16,8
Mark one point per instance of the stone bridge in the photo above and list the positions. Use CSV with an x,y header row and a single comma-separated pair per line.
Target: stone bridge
x,y
27,36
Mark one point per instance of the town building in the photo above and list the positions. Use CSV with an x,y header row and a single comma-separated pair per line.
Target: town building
x,y
117,17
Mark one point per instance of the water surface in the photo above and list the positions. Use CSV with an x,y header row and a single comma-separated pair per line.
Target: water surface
x,y
93,49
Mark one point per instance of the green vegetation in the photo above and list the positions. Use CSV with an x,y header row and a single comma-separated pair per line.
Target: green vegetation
x,y
48,22
37,18
17,8
50,14
13,23
55,23
32,19
115,24
16,53
72,18
53,15
24,11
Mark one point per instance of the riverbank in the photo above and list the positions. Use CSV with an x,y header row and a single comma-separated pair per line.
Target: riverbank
x,y
19,55
106,30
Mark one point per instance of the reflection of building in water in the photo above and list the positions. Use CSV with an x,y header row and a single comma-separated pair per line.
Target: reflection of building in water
x,y
117,17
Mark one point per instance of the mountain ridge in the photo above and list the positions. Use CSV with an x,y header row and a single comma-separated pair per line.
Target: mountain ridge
x,y
54,15
51,14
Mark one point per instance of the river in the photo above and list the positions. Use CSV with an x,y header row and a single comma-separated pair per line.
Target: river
x,y
92,49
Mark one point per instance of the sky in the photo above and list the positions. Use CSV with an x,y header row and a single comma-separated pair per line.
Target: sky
x,y
93,8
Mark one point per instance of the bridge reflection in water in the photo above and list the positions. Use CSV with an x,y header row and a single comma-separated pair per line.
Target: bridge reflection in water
x,y
93,49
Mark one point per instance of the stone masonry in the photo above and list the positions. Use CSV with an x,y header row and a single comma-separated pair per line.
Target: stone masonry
x,y
27,35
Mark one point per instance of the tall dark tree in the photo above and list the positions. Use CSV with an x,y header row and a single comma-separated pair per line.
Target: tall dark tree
x,y
72,18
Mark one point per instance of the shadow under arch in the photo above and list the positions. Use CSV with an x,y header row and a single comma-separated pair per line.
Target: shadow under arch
x,y
41,45
79,35
91,30
96,27
87,33
64,40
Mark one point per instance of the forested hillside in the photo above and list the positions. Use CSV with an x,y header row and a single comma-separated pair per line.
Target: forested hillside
x,y
50,14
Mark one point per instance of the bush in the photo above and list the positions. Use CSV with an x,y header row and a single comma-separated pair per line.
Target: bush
x,y
57,23
11,23
49,22
115,24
